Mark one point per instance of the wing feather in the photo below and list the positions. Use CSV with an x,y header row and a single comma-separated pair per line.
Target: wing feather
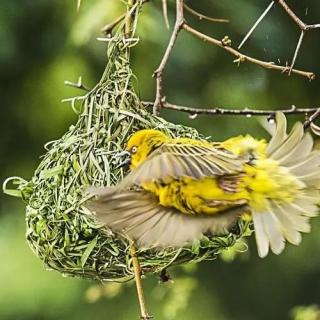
x,y
180,160
139,216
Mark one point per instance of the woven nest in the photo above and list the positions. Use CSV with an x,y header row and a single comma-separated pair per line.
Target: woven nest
x,y
60,231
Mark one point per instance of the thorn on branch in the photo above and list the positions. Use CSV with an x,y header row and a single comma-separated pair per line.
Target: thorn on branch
x,y
302,25
265,12
297,50
165,13
237,54
311,119
225,43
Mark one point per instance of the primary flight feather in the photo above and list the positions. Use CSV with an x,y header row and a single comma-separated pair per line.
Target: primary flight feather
x,y
180,189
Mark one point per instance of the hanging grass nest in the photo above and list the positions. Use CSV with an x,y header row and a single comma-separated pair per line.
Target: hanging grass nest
x,y
60,230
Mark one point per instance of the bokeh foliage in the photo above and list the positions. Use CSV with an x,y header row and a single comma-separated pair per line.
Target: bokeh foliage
x,y
46,42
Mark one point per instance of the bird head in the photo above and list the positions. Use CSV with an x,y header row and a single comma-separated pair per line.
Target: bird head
x,y
142,143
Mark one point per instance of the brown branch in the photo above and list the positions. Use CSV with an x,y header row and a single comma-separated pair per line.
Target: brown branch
x,y
203,17
242,57
224,44
158,74
232,112
293,16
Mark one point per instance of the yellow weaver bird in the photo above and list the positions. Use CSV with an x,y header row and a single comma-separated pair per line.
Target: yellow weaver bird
x,y
179,189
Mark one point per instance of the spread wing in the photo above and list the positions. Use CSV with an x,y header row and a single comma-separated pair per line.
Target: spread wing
x,y
139,216
180,160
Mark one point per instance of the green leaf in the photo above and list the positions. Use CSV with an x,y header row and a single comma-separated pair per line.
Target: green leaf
x,y
46,174
88,251
13,192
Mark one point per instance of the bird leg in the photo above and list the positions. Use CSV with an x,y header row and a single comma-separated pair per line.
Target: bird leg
x,y
137,276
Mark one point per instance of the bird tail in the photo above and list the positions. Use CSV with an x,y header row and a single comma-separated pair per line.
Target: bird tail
x,y
285,220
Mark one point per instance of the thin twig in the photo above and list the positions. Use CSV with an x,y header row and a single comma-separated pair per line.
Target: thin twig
x,y
265,12
159,71
137,275
203,17
242,57
128,19
78,85
293,110
165,13
108,28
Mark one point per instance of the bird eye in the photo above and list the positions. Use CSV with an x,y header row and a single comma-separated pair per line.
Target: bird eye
x,y
133,149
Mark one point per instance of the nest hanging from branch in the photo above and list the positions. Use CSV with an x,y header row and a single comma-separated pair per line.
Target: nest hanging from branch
x,y
60,231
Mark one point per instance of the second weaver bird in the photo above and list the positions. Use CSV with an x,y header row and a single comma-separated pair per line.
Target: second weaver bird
x,y
180,189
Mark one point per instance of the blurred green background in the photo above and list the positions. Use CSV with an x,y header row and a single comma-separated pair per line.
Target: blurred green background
x,y
46,42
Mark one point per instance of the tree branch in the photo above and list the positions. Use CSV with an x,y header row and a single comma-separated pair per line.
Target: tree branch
x,y
225,44
158,74
242,57
293,110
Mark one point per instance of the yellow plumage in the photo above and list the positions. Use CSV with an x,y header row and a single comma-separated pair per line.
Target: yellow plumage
x,y
179,189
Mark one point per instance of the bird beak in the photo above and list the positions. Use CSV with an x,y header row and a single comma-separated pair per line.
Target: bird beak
x,y
125,159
